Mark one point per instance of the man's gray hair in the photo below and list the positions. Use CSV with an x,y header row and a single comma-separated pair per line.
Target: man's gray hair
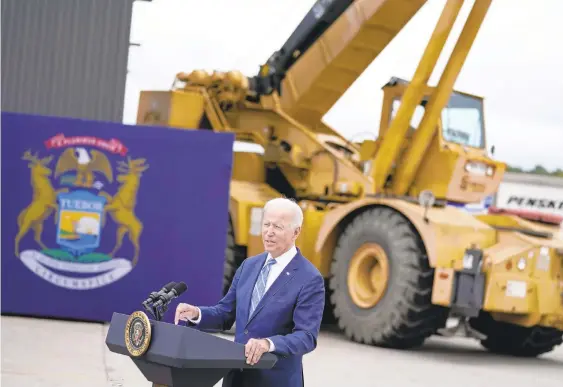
x,y
289,205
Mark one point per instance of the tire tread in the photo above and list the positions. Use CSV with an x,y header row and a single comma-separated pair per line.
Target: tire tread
x,y
409,316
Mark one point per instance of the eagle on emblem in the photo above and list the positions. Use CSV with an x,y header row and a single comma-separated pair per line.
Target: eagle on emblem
x,y
85,164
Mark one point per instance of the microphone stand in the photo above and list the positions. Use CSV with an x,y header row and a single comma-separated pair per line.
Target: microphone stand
x,y
158,311
163,301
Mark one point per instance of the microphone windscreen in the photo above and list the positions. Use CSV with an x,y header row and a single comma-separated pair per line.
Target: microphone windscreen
x,y
180,288
169,286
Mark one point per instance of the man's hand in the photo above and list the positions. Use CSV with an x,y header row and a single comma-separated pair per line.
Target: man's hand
x,y
185,312
254,349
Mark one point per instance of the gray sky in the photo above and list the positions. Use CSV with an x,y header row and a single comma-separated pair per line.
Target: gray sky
x,y
515,63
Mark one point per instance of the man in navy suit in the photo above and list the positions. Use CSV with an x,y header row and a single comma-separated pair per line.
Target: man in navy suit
x,y
277,300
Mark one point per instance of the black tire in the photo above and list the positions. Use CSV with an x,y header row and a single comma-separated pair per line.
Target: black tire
x,y
514,340
405,316
234,255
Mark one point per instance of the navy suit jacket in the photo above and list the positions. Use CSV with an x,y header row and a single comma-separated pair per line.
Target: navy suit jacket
x,y
289,314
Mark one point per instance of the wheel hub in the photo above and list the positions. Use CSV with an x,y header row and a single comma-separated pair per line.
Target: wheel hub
x,y
368,275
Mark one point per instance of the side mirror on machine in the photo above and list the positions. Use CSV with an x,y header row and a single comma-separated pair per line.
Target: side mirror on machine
x,y
426,199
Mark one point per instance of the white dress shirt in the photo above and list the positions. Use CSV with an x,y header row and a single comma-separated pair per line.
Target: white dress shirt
x,y
275,270
281,262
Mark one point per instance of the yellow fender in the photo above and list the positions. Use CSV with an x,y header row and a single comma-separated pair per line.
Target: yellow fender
x,y
328,233
445,235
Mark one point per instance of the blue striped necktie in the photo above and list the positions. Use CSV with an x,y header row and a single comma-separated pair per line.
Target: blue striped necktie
x,y
260,286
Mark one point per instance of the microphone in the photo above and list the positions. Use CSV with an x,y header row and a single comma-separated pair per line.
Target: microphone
x,y
156,295
165,299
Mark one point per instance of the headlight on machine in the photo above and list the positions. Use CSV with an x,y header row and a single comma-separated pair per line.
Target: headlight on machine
x,y
490,171
479,169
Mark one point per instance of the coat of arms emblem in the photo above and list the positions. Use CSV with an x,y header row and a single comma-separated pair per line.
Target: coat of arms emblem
x,y
80,197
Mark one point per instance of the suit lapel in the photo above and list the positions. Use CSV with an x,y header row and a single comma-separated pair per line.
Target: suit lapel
x,y
283,279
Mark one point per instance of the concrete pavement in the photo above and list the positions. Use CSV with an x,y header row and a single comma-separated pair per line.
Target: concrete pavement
x,y
52,353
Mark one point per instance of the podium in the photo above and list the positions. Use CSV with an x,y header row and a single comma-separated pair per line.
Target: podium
x,y
176,355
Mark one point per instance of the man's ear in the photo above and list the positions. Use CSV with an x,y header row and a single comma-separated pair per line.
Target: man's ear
x,y
296,232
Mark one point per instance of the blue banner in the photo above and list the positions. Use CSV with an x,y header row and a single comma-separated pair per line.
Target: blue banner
x,y
96,215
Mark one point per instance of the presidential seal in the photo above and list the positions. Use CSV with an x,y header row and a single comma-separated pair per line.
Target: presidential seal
x,y
137,334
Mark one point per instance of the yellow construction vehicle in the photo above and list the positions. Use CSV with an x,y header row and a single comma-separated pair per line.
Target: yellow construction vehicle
x,y
399,260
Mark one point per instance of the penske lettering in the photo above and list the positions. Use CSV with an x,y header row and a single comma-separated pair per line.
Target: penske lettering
x,y
531,202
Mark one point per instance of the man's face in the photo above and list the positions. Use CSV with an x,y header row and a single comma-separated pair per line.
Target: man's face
x,y
277,233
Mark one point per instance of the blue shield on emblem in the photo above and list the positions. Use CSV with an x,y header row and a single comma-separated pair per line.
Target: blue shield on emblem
x,y
79,223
